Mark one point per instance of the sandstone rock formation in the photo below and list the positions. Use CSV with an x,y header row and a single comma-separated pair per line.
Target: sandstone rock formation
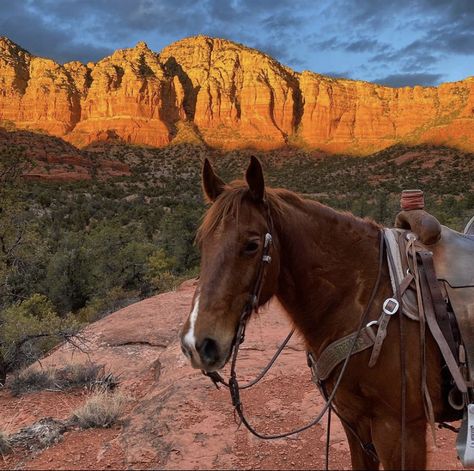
x,y
231,95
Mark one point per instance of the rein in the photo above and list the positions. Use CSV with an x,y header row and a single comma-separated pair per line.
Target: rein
x,y
251,305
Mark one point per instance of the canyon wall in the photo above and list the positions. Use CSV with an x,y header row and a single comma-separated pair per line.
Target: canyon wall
x,y
229,95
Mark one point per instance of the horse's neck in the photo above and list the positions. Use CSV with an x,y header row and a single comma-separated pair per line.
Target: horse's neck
x,y
328,263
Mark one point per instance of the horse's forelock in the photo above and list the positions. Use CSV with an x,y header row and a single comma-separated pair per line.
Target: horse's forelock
x,y
227,204
230,202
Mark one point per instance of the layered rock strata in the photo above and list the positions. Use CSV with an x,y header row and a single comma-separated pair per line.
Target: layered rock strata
x,y
233,96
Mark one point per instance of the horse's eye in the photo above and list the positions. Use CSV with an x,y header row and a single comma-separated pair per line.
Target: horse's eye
x,y
251,247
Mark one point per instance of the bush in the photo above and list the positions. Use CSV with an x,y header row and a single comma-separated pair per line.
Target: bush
x,y
30,329
102,409
77,375
32,380
159,271
100,306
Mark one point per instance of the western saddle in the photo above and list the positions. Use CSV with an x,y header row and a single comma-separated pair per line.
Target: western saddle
x,y
453,259
450,254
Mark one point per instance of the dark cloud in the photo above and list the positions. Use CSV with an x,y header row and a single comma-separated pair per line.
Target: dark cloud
x,y
282,21
422,61
279,52
404,38
33,33
357,44
222,11
447,25
332,43
408,59
90,29
409,80
364,45
337,74
264,6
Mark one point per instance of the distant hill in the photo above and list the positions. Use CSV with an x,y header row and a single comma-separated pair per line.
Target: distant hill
x,y
226,95
54,159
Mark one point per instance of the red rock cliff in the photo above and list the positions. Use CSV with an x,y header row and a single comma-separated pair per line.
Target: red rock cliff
x,y
233,96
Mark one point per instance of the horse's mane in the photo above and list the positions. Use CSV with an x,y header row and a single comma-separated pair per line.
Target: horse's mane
x,y
279,202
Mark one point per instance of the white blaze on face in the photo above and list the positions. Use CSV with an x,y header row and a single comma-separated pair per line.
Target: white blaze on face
x,y
189,339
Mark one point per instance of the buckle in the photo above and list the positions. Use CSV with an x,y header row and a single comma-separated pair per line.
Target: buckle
x,y
266,259
370,331
268,240
390,306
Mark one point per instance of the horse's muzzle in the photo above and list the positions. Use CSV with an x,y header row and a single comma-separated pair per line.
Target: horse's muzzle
x,y
205,355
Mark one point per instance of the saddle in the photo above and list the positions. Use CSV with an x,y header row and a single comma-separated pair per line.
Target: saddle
x,y
451,255
453,259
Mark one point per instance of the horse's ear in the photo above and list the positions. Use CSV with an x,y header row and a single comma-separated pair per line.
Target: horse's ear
x,y
212,185
255,181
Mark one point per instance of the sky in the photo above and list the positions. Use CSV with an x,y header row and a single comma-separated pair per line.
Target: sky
x,y
392,42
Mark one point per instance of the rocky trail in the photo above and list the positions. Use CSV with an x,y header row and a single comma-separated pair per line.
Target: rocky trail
x,y
175,418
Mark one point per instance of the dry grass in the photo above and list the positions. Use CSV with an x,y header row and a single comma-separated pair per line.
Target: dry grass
x,y
102,409
32,380
87,375
5,445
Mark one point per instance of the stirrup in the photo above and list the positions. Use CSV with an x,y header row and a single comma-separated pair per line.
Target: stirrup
x,y
465,440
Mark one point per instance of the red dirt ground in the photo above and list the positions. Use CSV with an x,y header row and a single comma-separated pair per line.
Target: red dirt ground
x,y
176,419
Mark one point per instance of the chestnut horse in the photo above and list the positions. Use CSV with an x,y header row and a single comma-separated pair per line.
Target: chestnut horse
x,y
323,269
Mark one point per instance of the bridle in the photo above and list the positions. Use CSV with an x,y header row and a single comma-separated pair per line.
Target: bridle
x,y
251,305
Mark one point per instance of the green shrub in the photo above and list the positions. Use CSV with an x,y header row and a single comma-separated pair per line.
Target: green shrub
x,y
111,301
30,329
159,271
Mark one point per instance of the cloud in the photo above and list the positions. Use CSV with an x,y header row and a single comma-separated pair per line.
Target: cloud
x,y
282,21
331,43
356,44
370,38
364,45
337,74
409,80
33,33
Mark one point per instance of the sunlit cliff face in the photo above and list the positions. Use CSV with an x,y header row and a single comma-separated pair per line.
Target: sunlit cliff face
x,y
213,90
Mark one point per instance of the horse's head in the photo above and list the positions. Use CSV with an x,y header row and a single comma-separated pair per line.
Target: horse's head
x,y
231,241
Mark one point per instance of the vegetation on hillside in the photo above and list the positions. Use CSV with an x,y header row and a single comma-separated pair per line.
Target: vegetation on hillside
x,y
72,252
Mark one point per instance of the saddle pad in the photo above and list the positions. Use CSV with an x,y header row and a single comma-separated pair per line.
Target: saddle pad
x,y
453,257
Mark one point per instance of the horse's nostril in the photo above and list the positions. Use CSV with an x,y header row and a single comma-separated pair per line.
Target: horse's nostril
x,y
209,351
